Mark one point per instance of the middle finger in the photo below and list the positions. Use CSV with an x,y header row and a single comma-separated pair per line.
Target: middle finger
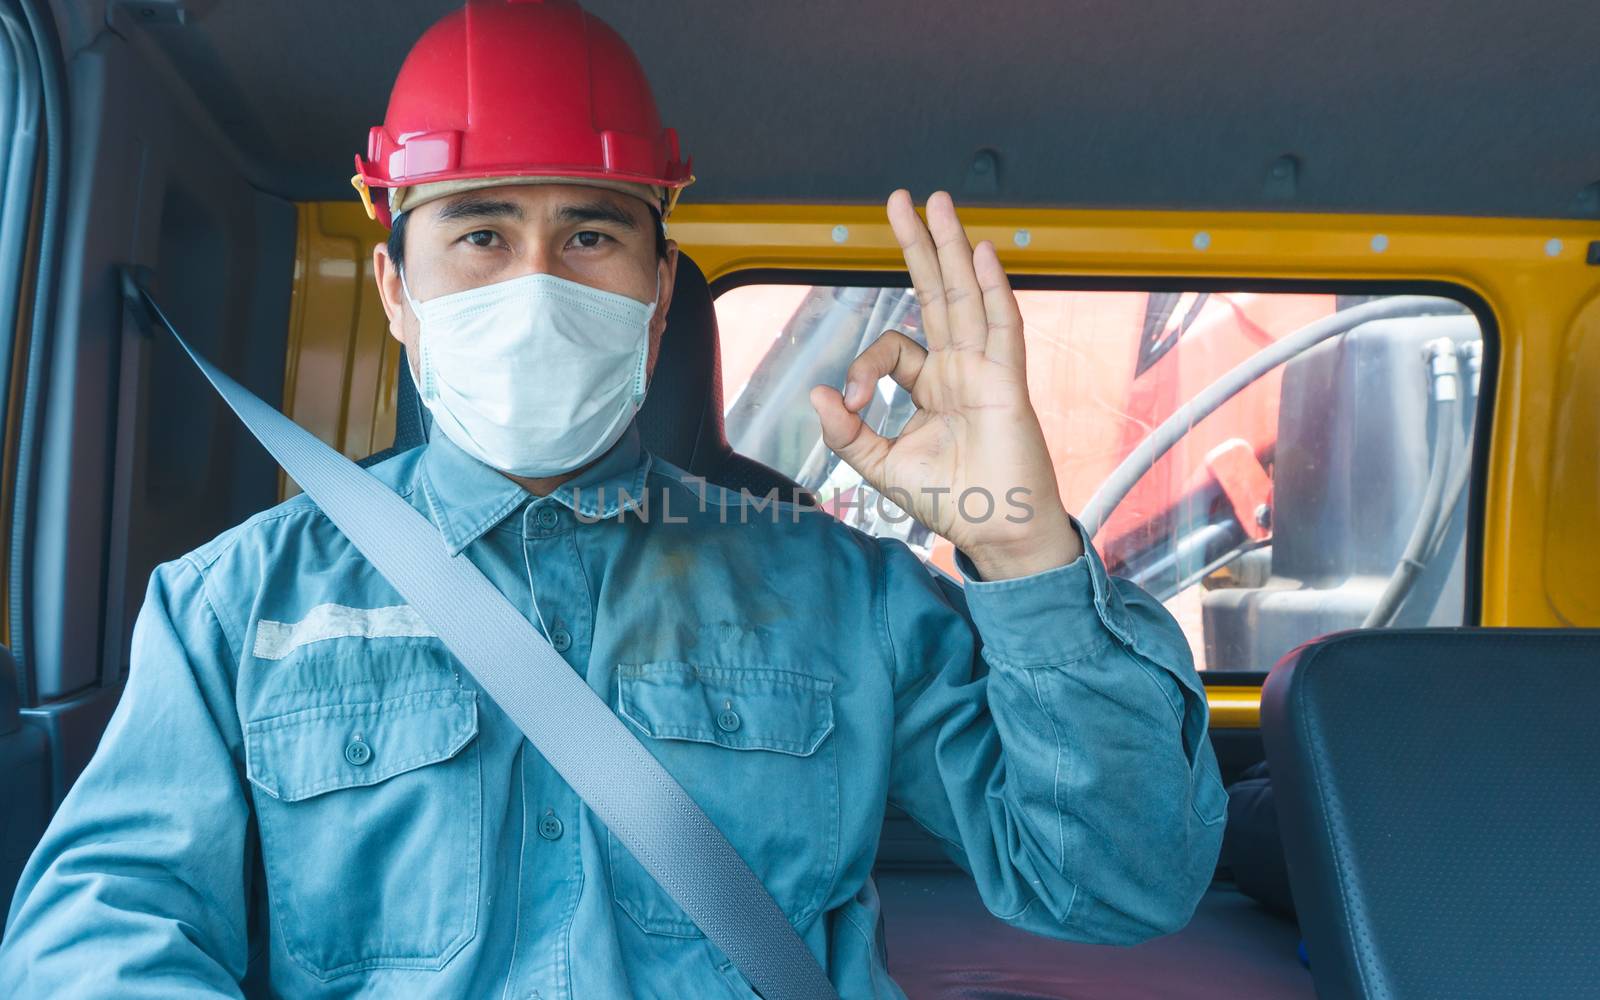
x,y
922,262
964,313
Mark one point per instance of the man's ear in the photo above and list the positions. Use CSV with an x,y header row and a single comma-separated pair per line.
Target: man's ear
x,y
668,268
389,291
667,274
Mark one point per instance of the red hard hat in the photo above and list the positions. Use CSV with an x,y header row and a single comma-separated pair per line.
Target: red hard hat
x,y
506,88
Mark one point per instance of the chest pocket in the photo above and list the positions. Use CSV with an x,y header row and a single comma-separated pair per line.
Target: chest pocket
x,y
750,745
370,818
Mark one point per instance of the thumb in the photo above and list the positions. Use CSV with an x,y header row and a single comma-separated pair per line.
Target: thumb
x,y
861,447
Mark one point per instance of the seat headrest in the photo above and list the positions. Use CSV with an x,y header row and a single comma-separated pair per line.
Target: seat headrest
x,y
1435,790
681,419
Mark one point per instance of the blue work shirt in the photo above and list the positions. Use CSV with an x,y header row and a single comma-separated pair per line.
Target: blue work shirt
x,y
303,794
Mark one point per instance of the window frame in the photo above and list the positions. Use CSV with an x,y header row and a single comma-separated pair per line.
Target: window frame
x,y
1472,599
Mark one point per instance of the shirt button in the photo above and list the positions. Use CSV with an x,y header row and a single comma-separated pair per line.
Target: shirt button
x,y
357,752
728,720
550,827
561,639
546,518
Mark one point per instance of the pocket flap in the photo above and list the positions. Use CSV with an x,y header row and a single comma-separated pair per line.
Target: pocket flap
x,y
740,708
306,753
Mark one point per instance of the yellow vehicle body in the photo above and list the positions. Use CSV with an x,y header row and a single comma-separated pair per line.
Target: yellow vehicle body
x,y
1540,281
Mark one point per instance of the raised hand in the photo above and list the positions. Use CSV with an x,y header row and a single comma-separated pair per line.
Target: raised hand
x,y
974,429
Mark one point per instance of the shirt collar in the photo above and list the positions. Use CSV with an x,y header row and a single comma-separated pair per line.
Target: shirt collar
x,y
466,497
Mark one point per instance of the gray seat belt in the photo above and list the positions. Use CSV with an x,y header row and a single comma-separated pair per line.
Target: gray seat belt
x,y
575,730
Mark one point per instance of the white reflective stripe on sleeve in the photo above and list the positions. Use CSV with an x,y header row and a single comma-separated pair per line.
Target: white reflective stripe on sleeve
x,y
275,640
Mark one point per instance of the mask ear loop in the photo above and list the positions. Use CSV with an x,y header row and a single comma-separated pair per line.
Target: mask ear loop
x,y
655,303
406,291
424,384
641,375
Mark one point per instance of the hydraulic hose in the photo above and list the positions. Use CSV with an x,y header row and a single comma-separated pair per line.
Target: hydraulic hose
x,y
1463,474
1445,375
1139,461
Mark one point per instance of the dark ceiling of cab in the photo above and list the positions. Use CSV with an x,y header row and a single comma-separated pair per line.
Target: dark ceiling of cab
x,y
1477,107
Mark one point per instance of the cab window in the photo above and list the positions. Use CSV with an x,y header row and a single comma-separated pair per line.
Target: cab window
x,y
1273,464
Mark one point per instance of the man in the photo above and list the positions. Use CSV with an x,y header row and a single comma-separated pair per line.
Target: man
x,y
301,793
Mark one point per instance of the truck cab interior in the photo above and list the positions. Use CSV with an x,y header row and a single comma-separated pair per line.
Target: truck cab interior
x,y
1312,297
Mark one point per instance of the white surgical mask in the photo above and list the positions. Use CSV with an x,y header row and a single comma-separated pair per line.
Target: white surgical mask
x,y
535,376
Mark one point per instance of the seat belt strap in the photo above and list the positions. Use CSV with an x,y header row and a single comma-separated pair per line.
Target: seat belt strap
x,y
575,730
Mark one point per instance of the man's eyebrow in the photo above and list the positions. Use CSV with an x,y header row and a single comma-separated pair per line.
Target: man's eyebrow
x,y
595,211
480,208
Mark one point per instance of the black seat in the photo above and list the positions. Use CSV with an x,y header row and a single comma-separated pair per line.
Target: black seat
x,y
681,420
1439,796
943,944
682,416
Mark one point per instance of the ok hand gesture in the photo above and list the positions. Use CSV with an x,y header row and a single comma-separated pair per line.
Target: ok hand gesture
x,y
974,427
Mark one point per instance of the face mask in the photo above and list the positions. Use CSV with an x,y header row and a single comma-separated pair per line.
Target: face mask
x,y
535,376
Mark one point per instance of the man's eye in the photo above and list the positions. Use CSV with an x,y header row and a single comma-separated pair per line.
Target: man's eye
x,y
480,237
589,239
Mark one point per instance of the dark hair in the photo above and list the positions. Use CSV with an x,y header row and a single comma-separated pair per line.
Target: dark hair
x,y
397,237
397,240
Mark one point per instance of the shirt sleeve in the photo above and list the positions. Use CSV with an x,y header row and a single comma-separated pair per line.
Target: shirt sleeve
x,y
138,889
1051,730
